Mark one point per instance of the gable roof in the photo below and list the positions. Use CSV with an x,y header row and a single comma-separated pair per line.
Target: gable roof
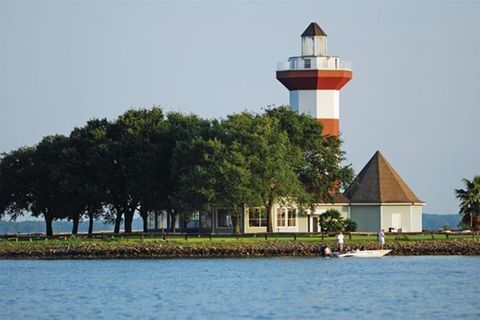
x,y
313,30
378,182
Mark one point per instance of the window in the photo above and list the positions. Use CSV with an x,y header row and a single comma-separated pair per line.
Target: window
x,y
224,218
206,220
281,214
193,220
292,217
257,217
293,64
308,63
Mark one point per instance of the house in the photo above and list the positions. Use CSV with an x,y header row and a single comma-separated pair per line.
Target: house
x,y
377,199
380,199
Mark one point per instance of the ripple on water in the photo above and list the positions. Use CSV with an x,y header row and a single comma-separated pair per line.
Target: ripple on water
x,y
268,288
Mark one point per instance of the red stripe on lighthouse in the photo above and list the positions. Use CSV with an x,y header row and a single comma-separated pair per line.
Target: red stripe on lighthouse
x,y
331,127
314,79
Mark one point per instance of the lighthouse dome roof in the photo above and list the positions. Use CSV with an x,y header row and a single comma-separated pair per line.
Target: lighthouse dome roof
x,y
313,30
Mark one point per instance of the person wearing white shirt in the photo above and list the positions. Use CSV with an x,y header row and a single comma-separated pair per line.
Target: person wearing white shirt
x,y
381,239
340,241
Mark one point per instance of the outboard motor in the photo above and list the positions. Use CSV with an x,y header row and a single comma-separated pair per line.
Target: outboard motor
x,y
325,251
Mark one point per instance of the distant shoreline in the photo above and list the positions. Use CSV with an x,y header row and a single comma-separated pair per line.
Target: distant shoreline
x,y
166,250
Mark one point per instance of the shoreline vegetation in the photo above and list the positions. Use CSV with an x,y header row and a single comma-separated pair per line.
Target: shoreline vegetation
x,y
149,161
155,247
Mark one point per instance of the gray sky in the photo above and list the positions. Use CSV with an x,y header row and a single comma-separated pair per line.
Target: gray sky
x,y
414,96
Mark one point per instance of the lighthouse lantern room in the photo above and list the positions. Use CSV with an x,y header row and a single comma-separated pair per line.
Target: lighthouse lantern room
x,y
314,80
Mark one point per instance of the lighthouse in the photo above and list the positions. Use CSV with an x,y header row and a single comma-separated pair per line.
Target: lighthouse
x,y
315,79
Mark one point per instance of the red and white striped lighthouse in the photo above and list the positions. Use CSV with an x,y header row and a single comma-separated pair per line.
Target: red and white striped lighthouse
x,y
314,80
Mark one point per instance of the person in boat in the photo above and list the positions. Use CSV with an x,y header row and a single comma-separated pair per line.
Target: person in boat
x,y
327,252
381,239
340,238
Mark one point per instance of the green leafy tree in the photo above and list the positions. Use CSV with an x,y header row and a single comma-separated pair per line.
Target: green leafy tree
x,y
331,221
52,181
349,225
89,145
38,180
16,169
220,176
470,202
272,160
321,170
180,156
132,173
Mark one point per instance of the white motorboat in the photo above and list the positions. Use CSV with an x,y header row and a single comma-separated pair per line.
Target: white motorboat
x,y
363,254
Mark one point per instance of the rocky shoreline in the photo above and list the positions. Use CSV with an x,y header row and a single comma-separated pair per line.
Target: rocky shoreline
x,y
145,250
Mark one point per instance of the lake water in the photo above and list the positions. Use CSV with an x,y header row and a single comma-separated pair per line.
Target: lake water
x,y
264,288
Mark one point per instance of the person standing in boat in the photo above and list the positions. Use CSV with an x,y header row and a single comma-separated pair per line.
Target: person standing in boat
x,y
340,241
381,239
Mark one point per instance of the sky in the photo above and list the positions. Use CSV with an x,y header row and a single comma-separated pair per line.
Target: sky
x,y
414,95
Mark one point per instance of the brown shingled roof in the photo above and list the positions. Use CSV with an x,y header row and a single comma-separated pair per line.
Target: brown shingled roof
x,y
313,30
378,182
337,198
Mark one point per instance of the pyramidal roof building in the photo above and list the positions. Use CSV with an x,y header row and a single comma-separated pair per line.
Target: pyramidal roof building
x,y
380,199
378,182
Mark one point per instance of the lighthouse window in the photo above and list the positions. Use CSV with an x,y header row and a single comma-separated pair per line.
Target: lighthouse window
x,y
308,64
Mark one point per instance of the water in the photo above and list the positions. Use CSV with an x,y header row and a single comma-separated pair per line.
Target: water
x,y
272,288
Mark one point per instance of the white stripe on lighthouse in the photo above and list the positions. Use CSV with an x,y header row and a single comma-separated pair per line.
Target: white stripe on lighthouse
x,y
319,104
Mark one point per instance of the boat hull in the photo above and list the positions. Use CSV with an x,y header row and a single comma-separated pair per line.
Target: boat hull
x,y
364,254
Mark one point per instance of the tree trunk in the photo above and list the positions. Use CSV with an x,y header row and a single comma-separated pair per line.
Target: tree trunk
x,y
270,217
118,221
90,222
144,215
477,221
128,221
75,220
173,220
237,223
48,224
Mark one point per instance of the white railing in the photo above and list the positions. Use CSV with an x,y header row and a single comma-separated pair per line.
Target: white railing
x,y
298,63
345,64
283,65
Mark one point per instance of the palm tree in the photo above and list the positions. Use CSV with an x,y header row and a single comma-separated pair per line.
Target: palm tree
x,y
331,221
470,202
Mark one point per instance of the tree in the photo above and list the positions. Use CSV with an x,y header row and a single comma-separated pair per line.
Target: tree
x,y
179,157
321,171
219,178
349,225
331,221
470,202
15,181
52,181
90,143
132,170
38,180
272,160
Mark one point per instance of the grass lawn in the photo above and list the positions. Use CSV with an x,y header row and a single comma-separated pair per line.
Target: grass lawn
x,y
218,241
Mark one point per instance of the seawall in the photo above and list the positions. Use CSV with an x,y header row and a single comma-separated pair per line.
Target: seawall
x,y
139,250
